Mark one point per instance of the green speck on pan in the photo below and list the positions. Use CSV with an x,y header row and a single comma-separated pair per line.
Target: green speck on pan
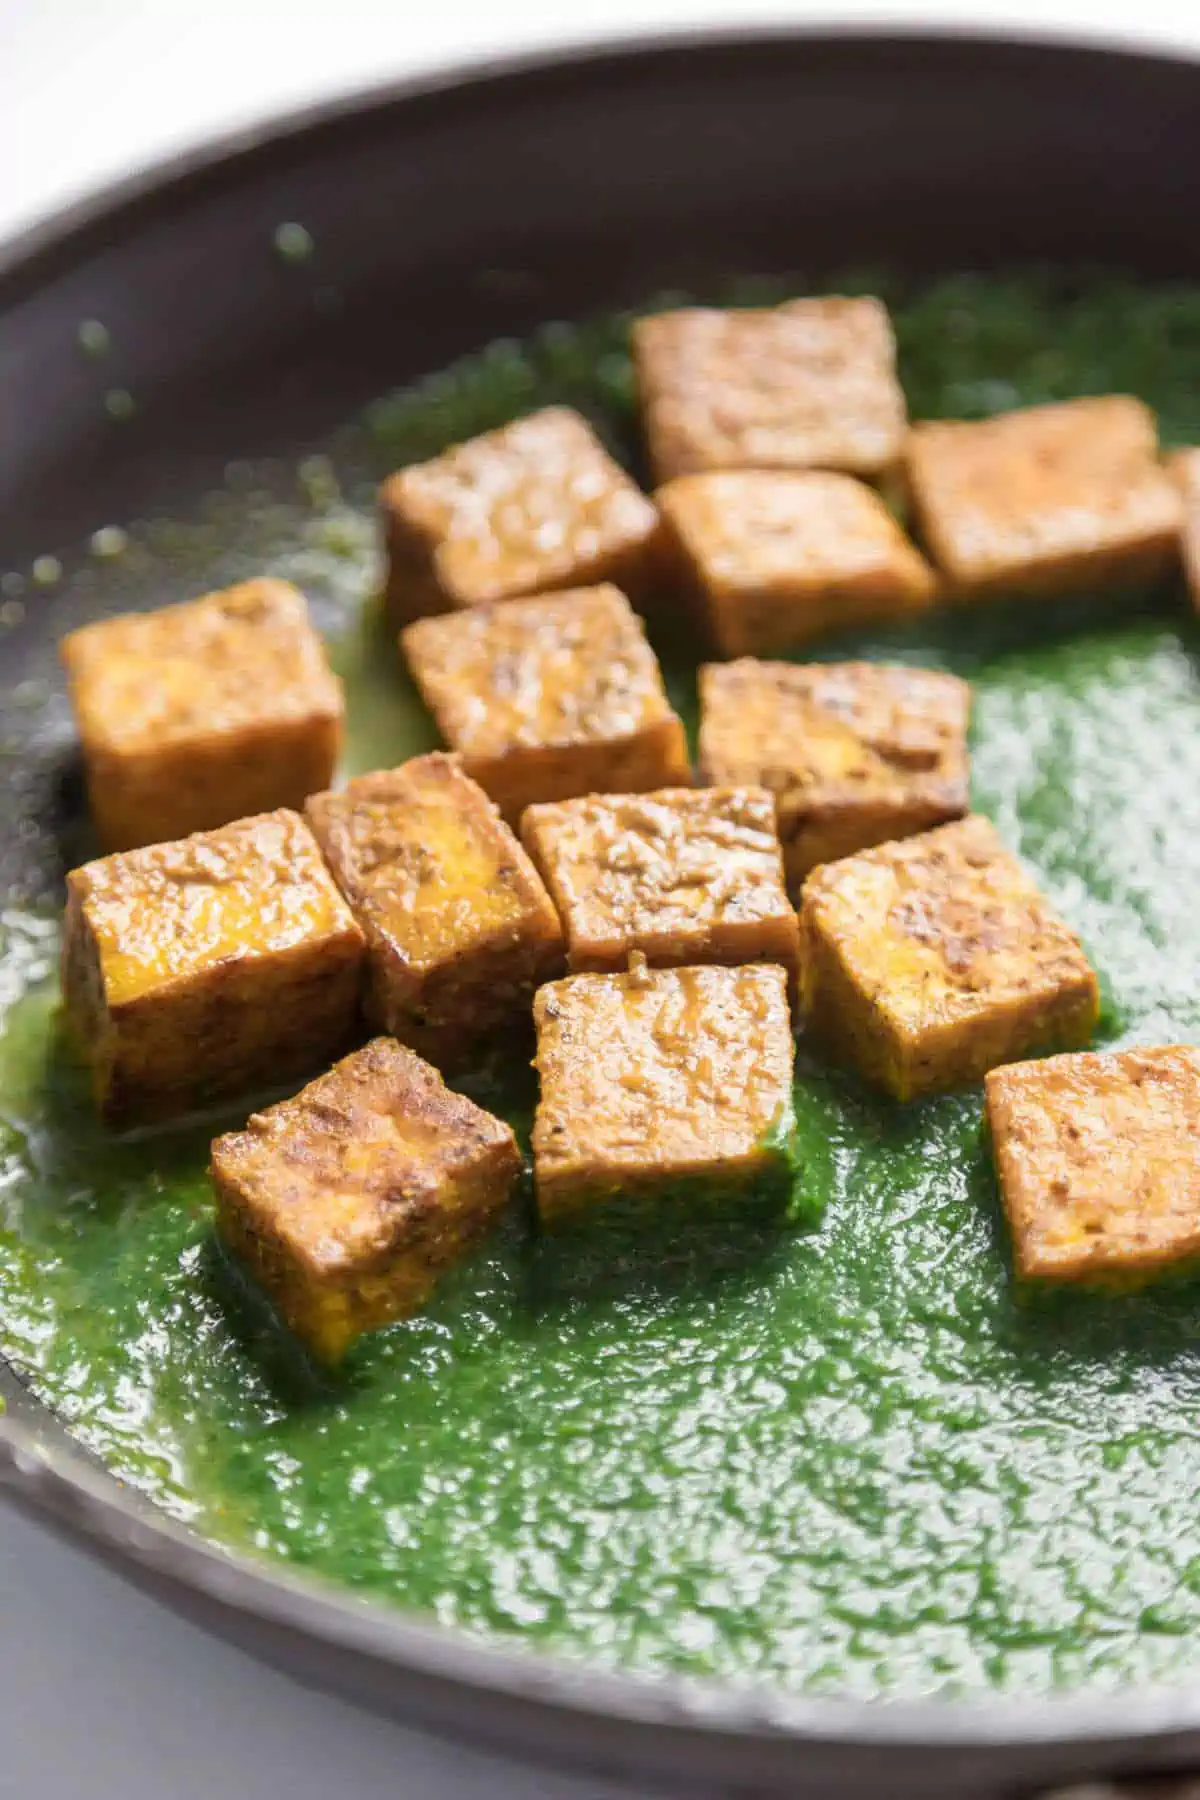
x,y
93,339
293,243
837,1462
119,404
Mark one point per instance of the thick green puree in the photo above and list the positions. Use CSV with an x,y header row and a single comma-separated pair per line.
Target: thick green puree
x,y
854,1462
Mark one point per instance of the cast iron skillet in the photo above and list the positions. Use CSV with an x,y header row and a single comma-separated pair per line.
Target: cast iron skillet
x,y
445,215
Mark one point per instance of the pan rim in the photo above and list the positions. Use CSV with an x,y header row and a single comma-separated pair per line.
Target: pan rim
x,y
65,1486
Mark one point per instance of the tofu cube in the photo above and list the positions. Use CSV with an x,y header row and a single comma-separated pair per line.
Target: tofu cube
x,y
534,507
685,875
777,559
807,385
349,1201
1184,469
548,698
1045,499
1099,1162
459,929
930,961
658,1078
854,753
203,969
202,713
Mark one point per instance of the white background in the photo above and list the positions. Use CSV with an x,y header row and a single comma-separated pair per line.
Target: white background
x,y
102,1693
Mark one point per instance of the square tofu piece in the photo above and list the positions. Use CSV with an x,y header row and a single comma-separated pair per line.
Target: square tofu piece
x,y
347,1202
534,507
203,969
778,559
808,385
1184,468
545,699
928,962
1045,499
1099,1162
686,875
202,713
659,1078
854,753
459,929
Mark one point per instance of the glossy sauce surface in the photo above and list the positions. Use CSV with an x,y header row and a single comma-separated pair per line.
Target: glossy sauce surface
x,y
856,1464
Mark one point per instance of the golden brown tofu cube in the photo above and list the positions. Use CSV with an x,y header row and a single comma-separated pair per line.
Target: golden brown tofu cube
x,y
1184,469
549,698
348,1202
202,713
534,507
206,968
1045,499
686,875
808,385
660,1077
779,559
1099,1162
460,931
854,753
928,962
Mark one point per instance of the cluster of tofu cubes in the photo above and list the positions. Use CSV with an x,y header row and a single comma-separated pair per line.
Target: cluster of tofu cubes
x,y
665,926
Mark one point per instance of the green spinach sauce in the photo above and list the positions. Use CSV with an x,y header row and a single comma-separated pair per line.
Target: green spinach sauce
x,y
854,1463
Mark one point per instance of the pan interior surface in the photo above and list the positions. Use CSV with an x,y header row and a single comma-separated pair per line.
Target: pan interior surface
x,y
851,1462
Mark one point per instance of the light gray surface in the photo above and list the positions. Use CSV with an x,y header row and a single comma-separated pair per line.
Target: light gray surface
x,y
106,1695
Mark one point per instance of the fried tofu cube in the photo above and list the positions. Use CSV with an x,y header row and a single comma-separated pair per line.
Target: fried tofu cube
x,y
777,559
661,1078
1184,469
930,961
685,875
548,698
348,1202
199,970
807,385
1045,499
459,929
201,713
854,753
1099,1162
532,508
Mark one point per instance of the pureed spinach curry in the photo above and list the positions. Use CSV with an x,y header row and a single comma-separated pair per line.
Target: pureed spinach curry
x,y
852,1462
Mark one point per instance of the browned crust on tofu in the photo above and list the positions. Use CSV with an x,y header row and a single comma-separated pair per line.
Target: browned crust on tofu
x,y
202,969
854,753
347,1202
460,930
776,559
548,698
655,1077
534,507
1044,499
201,713
810,384
928,962
1098,1158
684,875
1183,467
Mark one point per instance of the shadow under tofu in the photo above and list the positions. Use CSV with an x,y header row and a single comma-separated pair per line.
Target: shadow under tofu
x,y
626,1247
295,1378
